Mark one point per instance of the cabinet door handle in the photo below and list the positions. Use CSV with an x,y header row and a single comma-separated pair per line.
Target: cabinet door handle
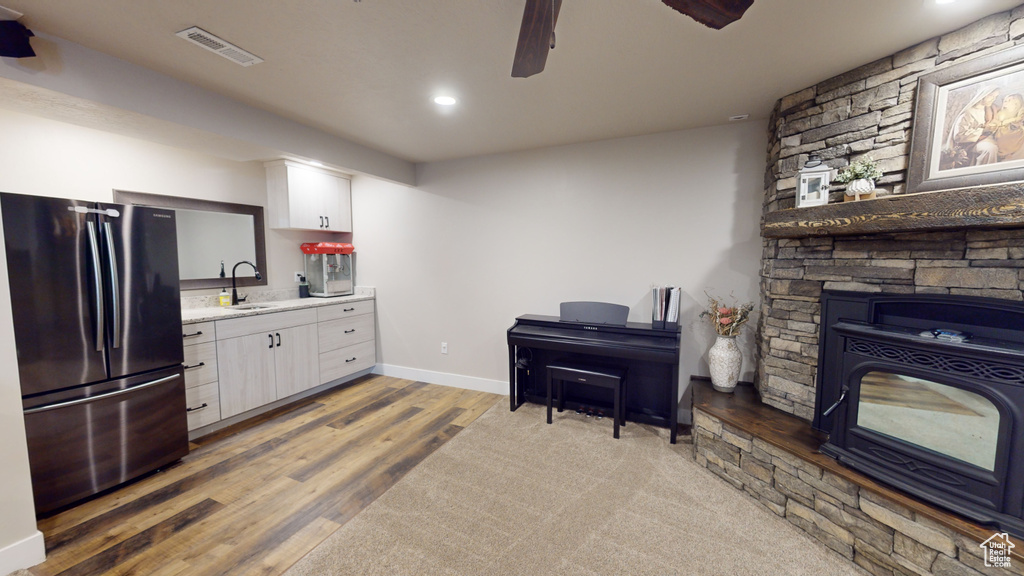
x,y
195,365
347,309
271,336
321,221
198,333
278,334
328,221
350,360
350,331
199,408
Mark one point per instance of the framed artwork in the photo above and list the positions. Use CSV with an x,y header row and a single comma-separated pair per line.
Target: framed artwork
x,y
968,127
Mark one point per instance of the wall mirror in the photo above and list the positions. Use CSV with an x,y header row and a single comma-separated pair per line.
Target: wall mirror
x,y
209,234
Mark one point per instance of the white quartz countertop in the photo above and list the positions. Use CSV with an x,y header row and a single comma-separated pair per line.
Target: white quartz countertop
x,y
194,315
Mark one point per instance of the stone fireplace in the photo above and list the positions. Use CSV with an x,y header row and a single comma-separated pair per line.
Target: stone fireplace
x,y
958,243
869,110
985,263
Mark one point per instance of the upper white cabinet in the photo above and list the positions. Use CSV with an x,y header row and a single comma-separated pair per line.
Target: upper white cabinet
x,y
301,197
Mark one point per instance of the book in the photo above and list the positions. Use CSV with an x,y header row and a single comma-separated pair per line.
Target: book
x,y
672,315
665,306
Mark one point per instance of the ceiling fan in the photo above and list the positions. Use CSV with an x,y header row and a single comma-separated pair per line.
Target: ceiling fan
x,y
537,33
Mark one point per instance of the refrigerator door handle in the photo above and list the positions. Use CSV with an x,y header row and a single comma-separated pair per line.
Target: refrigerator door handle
x,y
46,407
115,290
105,212
94,251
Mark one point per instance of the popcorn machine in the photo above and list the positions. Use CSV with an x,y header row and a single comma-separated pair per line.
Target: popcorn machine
x,y
329,268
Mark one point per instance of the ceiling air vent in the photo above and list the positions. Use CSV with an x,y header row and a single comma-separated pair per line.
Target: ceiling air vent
x,y
201,37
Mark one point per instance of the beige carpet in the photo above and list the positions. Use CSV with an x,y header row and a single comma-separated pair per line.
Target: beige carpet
x,y
513,495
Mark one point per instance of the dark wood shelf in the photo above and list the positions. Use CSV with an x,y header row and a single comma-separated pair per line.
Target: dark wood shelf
x,y
999,206
744,410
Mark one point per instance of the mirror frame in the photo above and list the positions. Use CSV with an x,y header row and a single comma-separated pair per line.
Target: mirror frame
x,y
172,202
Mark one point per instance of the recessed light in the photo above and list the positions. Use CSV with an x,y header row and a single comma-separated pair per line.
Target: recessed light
x,y
738,117
445,100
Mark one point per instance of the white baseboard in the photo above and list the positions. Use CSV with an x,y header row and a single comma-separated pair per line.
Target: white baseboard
x,y
443,378
23,553
486,385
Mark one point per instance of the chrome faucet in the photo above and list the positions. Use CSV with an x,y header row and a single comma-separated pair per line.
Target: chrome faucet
x,y
234,292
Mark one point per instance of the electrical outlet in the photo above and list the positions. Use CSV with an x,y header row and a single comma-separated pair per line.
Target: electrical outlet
x,y
444,347
298,276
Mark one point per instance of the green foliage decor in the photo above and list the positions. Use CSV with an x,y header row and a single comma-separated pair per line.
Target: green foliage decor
x,y
865,168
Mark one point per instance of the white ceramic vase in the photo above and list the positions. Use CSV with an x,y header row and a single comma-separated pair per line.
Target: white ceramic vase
x,y
724,359
859,187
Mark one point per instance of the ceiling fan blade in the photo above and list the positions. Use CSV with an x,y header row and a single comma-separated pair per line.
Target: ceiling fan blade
x,y
539,19
715,14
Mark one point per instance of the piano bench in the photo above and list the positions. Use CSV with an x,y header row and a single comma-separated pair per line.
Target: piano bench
x,y
600,376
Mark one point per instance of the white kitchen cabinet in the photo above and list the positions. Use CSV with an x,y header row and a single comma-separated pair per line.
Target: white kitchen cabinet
x,y
347,361
302,197
264,358
203,405
242,364
296,362
344,310
201,391
335,334
246,373
200,364
347,339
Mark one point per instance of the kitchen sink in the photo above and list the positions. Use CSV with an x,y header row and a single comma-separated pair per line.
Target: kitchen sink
x,y
251,307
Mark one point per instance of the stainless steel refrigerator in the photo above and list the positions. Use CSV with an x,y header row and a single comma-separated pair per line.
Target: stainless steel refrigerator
x,y
97,321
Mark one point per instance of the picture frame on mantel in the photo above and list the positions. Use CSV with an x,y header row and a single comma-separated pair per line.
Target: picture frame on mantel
x,y
968,126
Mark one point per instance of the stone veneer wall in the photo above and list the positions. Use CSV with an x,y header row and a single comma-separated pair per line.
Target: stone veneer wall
x,y
877,534
867,111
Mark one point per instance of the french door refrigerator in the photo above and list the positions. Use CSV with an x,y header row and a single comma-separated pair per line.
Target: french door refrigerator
x,y
97,321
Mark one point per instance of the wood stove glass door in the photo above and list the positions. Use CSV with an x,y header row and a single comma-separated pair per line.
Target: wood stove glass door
x,y
945,419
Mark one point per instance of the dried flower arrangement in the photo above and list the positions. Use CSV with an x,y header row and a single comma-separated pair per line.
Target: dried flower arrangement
x,y
865,168
727,320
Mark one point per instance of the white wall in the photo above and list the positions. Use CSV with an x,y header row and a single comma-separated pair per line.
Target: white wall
x,y
483,240
21,544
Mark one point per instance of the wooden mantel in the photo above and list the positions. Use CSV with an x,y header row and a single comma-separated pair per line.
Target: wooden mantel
x,y
999,206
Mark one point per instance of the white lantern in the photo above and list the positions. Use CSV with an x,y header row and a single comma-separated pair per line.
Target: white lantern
x,y
814,183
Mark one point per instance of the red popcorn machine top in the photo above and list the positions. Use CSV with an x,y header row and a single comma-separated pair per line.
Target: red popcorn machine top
x,y
327,248
329,268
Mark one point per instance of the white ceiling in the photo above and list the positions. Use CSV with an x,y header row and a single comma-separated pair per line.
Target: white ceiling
x,y
366,70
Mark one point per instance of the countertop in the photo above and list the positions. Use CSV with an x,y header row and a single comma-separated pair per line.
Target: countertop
x,y
194,315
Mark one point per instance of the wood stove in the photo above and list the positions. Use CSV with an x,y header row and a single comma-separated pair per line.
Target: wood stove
x,y
926,393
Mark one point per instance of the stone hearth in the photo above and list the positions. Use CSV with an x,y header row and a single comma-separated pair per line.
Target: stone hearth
x,y
774,458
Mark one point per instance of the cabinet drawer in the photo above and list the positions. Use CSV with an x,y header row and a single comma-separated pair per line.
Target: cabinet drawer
x,y
235,327
198,333
346,310
349,360
195,398
200,364
335,334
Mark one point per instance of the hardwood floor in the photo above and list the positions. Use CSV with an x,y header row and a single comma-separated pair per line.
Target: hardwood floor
x,y
255,498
